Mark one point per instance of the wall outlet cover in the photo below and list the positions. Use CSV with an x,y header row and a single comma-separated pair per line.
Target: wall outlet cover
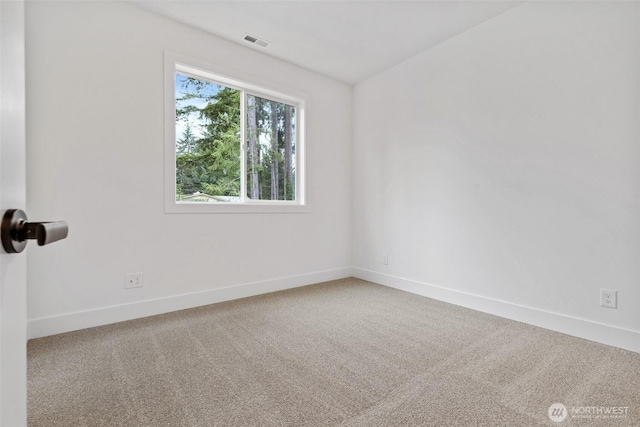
x,y
609,298
133,280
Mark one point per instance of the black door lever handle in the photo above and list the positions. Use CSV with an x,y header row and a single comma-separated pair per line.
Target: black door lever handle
x,y
46,232
15,231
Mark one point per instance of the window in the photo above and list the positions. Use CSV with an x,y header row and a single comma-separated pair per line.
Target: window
x,y
230,146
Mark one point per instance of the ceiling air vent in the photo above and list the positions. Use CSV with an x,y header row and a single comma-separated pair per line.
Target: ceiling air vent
x,y
256,40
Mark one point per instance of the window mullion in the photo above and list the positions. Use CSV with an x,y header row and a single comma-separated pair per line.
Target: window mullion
x,y
243,147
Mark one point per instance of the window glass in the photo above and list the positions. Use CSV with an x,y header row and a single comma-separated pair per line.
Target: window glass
x,y
207,141
271,149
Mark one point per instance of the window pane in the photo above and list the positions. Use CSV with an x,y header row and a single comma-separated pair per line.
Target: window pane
x,y
207,141
271,149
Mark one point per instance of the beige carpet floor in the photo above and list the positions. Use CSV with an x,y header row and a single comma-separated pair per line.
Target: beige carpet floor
x,y
342,353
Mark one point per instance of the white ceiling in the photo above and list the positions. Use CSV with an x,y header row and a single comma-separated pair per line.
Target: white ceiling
x,y
349,40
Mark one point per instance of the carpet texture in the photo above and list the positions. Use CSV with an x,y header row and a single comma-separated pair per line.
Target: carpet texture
x,y
342,353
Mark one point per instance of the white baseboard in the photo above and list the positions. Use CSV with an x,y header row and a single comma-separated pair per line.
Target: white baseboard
x,y
606,334
68,322
581,328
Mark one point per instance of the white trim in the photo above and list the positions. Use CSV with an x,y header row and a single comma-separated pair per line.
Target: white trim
x,y
68,322
243,146
197,68
238,208
582,328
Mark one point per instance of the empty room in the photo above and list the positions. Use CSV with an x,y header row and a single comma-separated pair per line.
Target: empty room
x,y
320,213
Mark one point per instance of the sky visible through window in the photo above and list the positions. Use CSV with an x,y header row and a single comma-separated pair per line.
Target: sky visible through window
x,y
193,119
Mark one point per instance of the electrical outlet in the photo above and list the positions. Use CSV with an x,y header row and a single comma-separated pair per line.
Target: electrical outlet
x,y
608,298
385,259
133,280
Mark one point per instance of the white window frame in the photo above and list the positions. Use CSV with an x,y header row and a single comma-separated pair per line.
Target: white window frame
x,y
193,67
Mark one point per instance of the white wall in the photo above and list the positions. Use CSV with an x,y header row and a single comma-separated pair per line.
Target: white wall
x,y
95,159
501,169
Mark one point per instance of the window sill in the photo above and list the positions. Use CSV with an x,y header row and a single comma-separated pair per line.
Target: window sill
x,y
234,208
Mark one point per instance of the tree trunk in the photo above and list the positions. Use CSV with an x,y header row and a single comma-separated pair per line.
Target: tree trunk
x,y
274,150
252,129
